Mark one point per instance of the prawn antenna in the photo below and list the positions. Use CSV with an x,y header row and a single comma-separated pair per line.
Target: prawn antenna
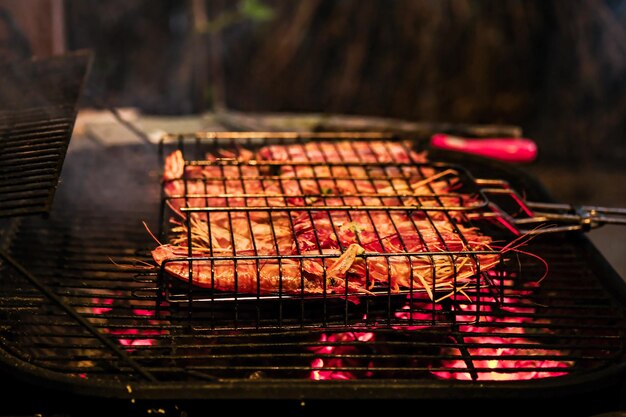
x,y
151,234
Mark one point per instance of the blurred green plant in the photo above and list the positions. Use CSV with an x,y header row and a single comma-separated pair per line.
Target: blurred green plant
x,y
254,10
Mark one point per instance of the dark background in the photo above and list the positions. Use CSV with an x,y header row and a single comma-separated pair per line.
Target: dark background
x,y
556,68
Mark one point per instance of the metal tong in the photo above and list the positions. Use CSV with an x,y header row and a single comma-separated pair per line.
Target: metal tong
x,y
560,217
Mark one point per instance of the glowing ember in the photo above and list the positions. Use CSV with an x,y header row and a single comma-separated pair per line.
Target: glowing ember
x,y
105,306
506,356
501,351
136,341
329,368
100,302
141,312
420,311
522,369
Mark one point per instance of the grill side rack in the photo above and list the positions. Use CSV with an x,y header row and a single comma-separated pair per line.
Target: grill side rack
x,y
38,106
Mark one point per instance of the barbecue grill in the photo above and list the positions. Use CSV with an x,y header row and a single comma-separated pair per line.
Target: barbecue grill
x,y
88,317
89,320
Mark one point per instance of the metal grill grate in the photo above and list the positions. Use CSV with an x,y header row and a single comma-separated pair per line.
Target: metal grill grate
x,y
96,263
261,230
37,112
569,326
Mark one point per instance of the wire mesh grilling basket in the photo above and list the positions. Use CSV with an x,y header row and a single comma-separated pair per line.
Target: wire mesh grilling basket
x,y
291,230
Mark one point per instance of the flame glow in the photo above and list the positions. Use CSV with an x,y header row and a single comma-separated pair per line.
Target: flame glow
x,y
106,306
325,368
522,369
492,356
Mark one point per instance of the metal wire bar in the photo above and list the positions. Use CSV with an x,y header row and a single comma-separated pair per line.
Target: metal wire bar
x,y
74,315
572,322
327,187
37,114
554,217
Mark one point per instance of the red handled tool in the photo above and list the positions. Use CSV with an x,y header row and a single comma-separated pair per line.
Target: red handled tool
x,y
505,149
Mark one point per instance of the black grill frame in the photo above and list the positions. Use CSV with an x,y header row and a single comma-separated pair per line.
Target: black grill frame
x,y
92,260
194,146
38,107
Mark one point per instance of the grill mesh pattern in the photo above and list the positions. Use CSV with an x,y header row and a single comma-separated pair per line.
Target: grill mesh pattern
x,y
98,267
568,326
37,112
301,224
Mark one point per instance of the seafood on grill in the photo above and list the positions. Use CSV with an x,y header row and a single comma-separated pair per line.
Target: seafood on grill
x,y
288,276
314,218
